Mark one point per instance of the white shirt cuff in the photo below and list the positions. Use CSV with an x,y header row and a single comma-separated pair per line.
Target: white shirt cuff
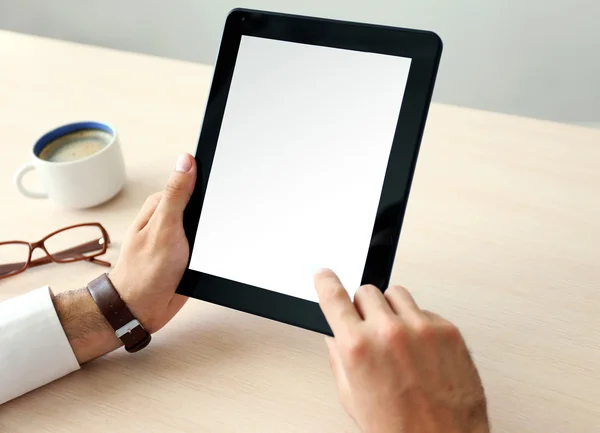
x,y
34,349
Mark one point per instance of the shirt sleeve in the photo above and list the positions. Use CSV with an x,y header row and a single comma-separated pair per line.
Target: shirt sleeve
x,y
34,349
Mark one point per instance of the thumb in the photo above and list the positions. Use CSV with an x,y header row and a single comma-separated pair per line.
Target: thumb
x,y
179,188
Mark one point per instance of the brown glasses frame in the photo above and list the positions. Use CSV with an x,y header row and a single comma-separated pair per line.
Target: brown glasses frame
x,y
56,258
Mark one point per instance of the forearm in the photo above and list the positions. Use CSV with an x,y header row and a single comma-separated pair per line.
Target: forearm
x,y
89,335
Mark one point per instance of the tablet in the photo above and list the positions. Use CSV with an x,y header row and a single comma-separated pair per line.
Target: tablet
x,y
306,155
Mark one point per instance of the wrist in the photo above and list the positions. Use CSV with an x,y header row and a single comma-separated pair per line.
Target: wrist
x,y
89,335
428,419
127,327
133,295
147,310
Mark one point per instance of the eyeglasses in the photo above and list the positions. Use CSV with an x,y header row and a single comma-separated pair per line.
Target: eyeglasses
x,y
67,245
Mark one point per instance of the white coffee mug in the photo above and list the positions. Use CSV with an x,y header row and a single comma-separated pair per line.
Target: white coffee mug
x,y
81,183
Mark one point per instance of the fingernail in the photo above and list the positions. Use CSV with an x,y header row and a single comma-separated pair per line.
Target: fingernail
x,y
184,163
323,271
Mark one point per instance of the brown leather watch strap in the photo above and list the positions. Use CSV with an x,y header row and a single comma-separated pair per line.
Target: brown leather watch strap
x,y
127,328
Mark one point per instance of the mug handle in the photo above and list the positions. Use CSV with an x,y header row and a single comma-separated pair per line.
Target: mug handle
x,y
19,174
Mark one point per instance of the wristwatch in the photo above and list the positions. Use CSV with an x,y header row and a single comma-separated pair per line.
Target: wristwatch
x,y
127,328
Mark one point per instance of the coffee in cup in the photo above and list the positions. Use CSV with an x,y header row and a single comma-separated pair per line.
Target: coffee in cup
x,y
80,165
76,145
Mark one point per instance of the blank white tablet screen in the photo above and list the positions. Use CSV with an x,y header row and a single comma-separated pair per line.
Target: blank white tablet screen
x,y
299,165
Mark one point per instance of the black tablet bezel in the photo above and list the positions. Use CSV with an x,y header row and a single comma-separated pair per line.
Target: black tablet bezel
x,y
424,48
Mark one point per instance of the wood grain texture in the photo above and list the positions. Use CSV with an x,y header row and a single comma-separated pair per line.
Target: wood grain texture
x,y
502,236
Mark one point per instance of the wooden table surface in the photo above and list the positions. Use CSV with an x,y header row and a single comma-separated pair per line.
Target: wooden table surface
x,y
502,236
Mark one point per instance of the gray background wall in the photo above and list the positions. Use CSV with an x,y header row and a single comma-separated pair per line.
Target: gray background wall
x,y
538,58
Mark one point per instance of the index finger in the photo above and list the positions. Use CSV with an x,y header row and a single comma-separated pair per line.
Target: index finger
x,y
147,211
335,302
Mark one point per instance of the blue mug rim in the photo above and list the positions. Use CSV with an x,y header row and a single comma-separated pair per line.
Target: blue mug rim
x,y
69,128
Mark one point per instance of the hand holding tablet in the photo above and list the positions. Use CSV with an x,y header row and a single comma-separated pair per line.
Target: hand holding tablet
x,y
307,151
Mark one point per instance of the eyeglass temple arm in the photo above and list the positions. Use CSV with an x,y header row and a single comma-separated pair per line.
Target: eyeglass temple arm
x,y
99,262
70,252
65,254
10,268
